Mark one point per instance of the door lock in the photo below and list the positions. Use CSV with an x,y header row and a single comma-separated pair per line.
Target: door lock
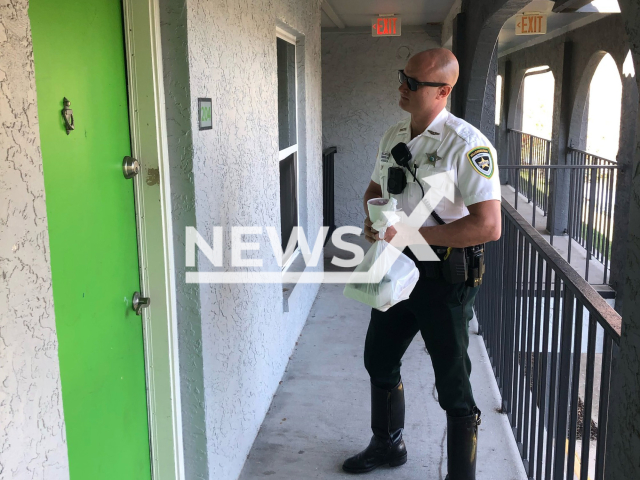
x,y
138,303
130,167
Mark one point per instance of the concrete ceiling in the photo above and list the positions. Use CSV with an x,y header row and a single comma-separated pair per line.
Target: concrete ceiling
x,y
358,13
557,23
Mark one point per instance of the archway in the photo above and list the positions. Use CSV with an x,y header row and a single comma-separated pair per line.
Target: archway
x,y
537,101
603,110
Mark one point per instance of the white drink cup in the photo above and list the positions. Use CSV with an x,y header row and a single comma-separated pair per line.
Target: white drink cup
x,y
377,208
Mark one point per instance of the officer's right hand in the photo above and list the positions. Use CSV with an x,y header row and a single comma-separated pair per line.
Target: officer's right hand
x,y
369,233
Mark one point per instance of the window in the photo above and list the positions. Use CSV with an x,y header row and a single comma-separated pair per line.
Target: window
x,y
287,137
537,104
603,113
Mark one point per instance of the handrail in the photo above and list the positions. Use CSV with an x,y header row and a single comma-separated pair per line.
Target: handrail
x,y
592,300
557,167
329,150
552,341
584,152
591,200
328,188
526,133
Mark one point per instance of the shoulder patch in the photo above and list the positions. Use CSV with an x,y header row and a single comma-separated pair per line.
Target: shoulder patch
x,y
481,160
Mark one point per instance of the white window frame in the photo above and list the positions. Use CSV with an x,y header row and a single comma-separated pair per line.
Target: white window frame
x,y
499,87
293,149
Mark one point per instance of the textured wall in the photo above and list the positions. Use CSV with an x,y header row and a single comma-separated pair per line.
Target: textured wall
x,y
32,432
360,101
246,337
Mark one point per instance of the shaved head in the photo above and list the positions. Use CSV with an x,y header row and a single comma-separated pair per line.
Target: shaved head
x,y
437,65
434,65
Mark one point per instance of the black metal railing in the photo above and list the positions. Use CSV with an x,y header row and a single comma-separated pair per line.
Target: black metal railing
x,y
591,202
551,339
527,149
328,199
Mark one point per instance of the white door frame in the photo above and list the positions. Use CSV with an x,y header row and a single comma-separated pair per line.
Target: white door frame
x,y
155,236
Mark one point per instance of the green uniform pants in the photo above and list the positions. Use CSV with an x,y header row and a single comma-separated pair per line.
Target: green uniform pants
x,y
441,312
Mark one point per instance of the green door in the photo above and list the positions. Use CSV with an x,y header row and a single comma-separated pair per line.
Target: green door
x,y
79,54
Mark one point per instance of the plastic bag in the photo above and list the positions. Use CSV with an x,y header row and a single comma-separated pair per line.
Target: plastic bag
x,y
385,277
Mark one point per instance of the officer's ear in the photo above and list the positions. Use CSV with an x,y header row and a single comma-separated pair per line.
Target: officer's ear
x,y
444,91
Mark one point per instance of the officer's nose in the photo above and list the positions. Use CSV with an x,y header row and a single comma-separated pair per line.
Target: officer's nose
x,y
403,88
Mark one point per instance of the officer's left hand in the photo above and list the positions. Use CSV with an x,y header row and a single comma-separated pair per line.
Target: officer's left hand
x,y
390,233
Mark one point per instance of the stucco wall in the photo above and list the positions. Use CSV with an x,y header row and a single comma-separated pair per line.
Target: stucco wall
x,y
32,431
246,336
360,101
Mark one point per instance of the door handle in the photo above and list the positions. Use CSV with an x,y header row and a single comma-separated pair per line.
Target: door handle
x,y
138,303
130,167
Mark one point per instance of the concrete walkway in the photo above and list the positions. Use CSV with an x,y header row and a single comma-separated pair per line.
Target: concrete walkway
x,y
561,243
320,413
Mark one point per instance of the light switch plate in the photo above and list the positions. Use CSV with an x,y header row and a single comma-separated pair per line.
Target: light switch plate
x,y
205,119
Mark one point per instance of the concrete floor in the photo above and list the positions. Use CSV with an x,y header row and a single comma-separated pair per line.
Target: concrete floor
x,y
320,413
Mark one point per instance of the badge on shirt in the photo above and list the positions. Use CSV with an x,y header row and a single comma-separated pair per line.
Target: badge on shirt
x,y
481,160
384,158
433,158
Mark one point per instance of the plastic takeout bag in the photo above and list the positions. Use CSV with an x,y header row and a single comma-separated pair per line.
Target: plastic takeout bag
x,y
385,277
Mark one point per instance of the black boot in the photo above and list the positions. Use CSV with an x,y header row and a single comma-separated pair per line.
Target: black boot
x,y
462,440
387,423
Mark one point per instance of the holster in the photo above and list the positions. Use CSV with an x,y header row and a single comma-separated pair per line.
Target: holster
x,y
476,267
456,265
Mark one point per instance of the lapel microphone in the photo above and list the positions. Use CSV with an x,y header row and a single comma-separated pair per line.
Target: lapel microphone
x,y
402,154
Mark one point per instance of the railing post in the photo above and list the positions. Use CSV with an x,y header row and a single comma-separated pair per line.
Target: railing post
x,y
558,192
547,178
593,175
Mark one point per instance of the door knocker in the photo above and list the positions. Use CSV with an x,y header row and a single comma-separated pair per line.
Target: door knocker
x,y
67,114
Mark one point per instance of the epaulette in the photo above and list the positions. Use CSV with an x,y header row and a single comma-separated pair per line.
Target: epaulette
x,y
460,127
401,127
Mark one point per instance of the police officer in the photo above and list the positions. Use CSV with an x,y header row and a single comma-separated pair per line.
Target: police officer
x,y
440,310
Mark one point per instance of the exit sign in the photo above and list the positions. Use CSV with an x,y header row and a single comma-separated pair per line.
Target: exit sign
x,y
531,24
386,26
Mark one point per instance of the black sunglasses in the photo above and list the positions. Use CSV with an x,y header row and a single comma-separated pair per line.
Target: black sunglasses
x,y
414,84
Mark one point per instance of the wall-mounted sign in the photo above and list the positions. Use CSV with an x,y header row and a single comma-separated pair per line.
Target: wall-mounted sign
x,y
531,24
386,26
205,121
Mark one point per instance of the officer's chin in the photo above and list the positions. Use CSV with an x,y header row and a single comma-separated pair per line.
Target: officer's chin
x,y
404,104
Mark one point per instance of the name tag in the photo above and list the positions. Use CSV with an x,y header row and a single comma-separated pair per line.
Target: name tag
x,y
384,158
